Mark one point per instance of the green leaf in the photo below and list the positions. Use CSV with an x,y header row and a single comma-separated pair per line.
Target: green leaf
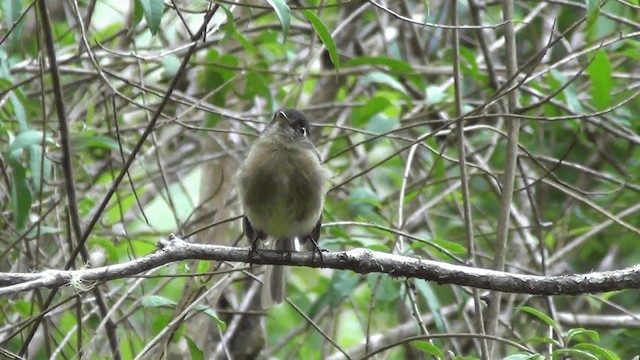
x,y
593,335
450,246
540,315
362,204
523,357
593,11
578,354
342,285
325,37
375,105
108,246
38,172
541,340
138,13
256,85
388,289
600,352
284,15
385,79
428,348
154,301
392,64
435,95
171,64
212,314
194,350
96,142
153,10
18,110
229,27
600,73
20,195
43,230
11,11
426,290
469,66
380,123
24,139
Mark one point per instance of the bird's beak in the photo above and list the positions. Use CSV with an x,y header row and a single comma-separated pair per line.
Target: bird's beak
x,y
282,118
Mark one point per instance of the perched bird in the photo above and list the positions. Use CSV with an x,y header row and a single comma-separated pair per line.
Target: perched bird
x,y
282,185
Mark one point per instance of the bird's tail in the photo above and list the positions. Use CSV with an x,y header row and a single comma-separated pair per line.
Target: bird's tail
x,y
274,288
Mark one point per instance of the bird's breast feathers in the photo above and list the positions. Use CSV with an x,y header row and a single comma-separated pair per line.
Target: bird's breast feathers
x,y
285,195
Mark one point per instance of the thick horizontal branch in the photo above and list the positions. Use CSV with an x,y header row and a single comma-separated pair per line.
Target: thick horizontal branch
x,y
362,261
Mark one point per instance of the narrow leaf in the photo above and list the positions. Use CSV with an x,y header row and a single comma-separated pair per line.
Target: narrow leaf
x,y
212,314
325,37
153,301
12,9
24,139
593,11
284,15
35,160
386,79
392,64
540,315
428,348
96,142
600,73
194,350
153,10
20,195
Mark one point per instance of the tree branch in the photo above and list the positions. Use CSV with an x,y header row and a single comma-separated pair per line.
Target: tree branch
x,y
362,261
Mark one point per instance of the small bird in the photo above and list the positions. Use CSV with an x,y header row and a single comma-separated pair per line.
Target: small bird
x,y
282,186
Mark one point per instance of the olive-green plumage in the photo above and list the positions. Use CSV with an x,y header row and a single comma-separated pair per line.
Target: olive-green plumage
x,y
282,185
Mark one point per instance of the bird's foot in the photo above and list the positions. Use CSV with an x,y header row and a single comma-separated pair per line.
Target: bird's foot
x,y
317,250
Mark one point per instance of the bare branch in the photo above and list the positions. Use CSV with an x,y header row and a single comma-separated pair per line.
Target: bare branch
x,y
362,261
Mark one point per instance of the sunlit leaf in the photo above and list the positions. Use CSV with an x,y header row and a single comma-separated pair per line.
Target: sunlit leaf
x,y
601,82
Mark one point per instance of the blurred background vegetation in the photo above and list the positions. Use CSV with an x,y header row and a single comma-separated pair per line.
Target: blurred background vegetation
x,y
376,78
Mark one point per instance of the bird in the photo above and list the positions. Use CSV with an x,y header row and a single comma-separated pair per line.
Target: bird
x,y
282,185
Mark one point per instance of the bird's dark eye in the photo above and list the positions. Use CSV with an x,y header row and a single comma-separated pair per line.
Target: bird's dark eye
x,y
302,131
